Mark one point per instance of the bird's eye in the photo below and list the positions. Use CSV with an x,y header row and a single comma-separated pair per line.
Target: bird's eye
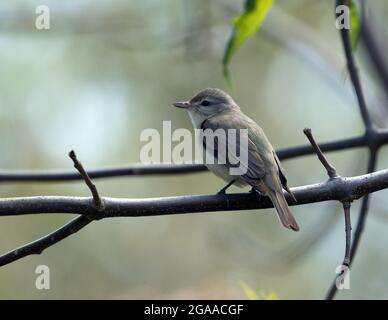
x,y
205,103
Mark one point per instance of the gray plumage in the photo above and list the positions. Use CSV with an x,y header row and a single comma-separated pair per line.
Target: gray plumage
x,y
214,109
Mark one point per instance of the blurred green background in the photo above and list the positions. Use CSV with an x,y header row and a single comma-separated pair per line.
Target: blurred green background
x,y
105,71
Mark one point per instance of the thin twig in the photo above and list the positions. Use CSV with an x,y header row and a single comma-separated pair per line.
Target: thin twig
x,y
372,147
348,233
331,171
78,165
360,225
118,171
372,164
347,257
380,138
37,246
353,71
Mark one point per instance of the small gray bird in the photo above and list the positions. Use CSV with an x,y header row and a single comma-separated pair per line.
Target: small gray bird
x,y
214,109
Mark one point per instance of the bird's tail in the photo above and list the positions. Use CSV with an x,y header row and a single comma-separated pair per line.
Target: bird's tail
x,y
281,206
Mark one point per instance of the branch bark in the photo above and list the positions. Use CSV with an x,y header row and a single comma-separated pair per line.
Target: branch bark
x,y
37,246
353,71
379,137
370,131
340,189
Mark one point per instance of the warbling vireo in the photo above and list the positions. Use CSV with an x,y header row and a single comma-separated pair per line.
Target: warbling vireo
x,y
215,110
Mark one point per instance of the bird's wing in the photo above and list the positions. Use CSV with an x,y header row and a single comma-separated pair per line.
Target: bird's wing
x,y
254,168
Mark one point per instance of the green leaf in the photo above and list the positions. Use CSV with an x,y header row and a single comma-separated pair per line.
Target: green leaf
x,y
243,27
355,24
270,296
252,295
249,292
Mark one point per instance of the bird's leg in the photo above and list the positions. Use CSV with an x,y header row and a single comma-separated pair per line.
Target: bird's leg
x,y
223,190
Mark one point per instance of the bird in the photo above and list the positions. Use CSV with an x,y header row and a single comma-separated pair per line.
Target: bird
x,y
214,109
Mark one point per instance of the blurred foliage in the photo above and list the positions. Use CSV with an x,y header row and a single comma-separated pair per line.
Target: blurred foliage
x,y
253,295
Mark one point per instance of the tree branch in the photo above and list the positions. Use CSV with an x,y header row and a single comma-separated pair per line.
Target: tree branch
x,y
373,148
338,189
119,171
78,165
348,233
360,225
380,137
346,203
353,71
37,246
364,209
331,171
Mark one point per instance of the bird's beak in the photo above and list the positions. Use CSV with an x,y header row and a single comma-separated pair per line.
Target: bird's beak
x,y
183,104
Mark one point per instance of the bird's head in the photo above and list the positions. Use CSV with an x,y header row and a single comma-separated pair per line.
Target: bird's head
x,y
206,103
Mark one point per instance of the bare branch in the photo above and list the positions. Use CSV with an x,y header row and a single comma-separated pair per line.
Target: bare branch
x,y
364,209
351,188
119,171
331,171
370,131
380,138
353,71
360,224
347,257
37,246
348,233
336,189
78,165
